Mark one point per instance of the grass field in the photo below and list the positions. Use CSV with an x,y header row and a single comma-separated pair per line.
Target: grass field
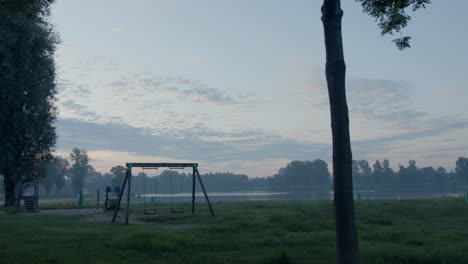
x,y
405,231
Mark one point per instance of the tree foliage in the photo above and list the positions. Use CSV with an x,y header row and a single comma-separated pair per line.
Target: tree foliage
x,y
27,94
392,16
79,169
29,8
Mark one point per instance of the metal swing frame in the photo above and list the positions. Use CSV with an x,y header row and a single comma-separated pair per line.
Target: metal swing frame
x,y
128,181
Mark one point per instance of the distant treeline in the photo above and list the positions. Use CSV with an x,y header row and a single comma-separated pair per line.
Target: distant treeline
x,y
382,174
64,177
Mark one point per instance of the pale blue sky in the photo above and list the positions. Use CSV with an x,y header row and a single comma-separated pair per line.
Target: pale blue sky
x,y
239,85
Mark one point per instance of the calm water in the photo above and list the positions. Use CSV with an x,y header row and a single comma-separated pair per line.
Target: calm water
x,y
264,196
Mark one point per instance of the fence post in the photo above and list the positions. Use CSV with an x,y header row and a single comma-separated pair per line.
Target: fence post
x,y
81,199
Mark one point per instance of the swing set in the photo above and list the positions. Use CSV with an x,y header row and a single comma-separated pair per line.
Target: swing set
x,y
150,211
147,210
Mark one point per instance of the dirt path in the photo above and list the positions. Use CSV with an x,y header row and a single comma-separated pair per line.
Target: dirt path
x,y
94,215
84,211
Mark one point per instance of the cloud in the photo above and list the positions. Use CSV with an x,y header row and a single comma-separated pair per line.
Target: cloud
x,y
184,89
71,107
383,100
426,145
376,100
237,149
199,95
117,29
187,145
194,60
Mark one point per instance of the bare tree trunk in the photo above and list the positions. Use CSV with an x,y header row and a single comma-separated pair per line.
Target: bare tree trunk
x,y
346,236
9,184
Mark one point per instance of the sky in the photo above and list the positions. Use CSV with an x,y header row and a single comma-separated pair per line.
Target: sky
x,y
240,85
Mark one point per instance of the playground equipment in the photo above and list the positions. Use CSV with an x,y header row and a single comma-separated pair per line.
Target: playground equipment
x,y
146,209
81,200
173,209
29,194
128,180
110,203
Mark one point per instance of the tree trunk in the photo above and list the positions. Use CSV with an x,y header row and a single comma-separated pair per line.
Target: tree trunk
x,y
346,236
9,184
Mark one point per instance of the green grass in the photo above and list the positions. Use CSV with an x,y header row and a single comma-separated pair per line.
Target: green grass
x,y
406,231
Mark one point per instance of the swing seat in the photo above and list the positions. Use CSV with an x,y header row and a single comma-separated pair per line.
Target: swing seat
x,y
150,213
177,211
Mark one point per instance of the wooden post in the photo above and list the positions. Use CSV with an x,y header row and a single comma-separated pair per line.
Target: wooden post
x,y
129,188
17,197
36,197
193,191
117,207
97,202
204,192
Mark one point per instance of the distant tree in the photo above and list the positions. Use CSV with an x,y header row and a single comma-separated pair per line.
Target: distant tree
x,y
412,172
56,169
61,167
259,183
392,19
366,171
79,168
461,168
401,174
118,173
357,175
377,174
428,174
27,93
224,181
92,176
441,173
321,172
388,173
302,175
107,178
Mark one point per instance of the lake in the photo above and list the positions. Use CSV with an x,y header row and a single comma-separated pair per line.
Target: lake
x,y
318,195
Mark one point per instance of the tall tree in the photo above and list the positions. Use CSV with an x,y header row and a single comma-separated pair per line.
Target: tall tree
x,y
392,18
79,168
27,93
